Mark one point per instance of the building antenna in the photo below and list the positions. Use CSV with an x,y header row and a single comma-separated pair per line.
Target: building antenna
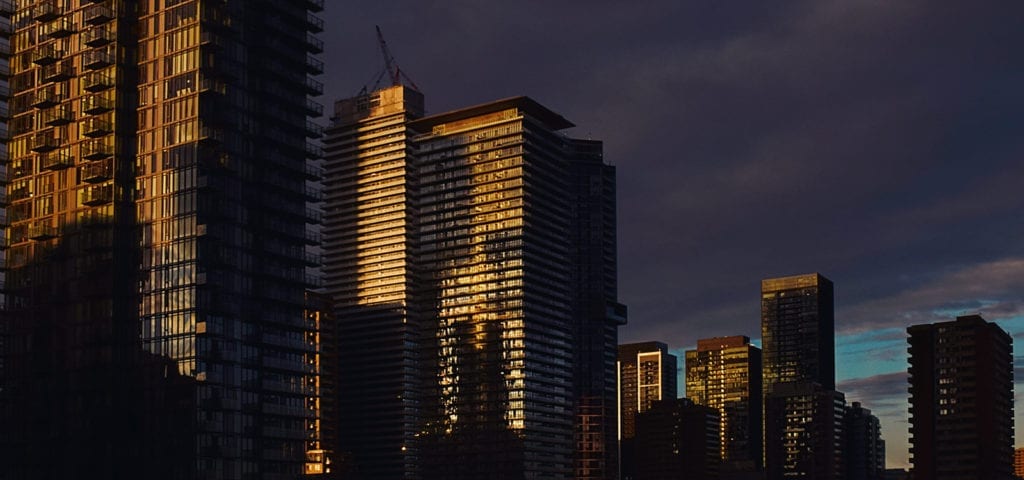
x,y
391,68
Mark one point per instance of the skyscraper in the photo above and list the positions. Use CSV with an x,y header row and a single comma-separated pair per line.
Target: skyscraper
x,y
864,450
478,248
798,331
725,373
797,335
961,400
370,272
647,373
156,169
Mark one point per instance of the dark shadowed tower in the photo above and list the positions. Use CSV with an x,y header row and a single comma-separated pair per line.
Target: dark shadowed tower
x,y
156,160
961,400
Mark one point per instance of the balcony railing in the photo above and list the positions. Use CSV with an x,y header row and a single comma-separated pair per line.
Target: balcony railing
x,y
58,72
314,23
41,231
314,65
96,172
46,11
96,150
97,14
59,28
96,195
97,36
97,81
46,98
97,104
313,44
58,115
97,59
46,54
45,142
314,109
314,87
57,160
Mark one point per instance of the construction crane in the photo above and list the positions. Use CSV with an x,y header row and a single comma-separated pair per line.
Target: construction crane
x,y
391,68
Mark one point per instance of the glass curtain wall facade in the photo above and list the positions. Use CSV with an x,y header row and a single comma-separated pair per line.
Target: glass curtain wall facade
x,y
646,374
725,374
156,253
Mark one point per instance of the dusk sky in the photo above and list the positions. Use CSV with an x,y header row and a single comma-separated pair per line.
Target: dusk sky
x,y
880,143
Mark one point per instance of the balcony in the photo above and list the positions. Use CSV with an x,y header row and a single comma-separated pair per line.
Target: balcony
x,y
46,98
97,37
314,23
97,104
314,130
96,195
313,194
46,11
60,28
97,59
45,142
315,5
312,236
5,112
46,54
6,7
96,172
314,87
96,127
313,65
97,14
58,115
314,151
4,133
314,109
311,259
4,199
41,232
97,82
96,150
5,48
314,216
313,44
58,72
58,160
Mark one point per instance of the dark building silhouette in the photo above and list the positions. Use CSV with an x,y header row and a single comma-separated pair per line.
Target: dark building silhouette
x,y
725,373
677,439
471,257
156,158
798,353
961,400
805,424
647,373
864,449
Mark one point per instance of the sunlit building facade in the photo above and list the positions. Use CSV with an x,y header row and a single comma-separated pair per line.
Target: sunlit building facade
x,y
961,400
468,284
370,243
157,170
725,373
646,374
